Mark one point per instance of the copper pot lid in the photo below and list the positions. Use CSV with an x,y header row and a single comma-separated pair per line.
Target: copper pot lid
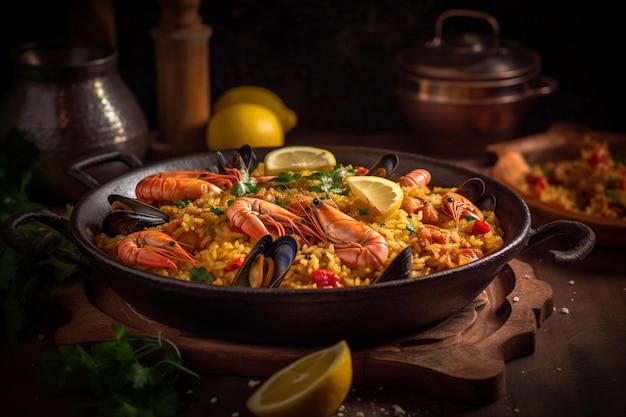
x,y
469,56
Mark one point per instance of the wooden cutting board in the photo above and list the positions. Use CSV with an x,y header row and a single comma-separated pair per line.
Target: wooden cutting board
x,y
460,359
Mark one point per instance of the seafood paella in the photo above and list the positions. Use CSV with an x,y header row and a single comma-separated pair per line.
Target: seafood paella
x,y
593,182
298,228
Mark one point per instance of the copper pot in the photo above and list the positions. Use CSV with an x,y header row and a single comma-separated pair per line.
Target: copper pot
x,y
460,93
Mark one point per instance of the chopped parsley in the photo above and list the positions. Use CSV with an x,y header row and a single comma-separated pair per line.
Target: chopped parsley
x,y
216,210
27,278
247,185
284,179
201,275
131,375
182,203
329,182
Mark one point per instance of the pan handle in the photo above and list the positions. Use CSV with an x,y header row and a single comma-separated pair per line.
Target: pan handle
x,y
578,231
33,244
76,168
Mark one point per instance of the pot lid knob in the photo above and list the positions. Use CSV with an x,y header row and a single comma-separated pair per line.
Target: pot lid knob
x,y
438,39
468,56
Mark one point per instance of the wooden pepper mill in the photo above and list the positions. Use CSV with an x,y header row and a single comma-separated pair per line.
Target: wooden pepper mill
x,y
181,42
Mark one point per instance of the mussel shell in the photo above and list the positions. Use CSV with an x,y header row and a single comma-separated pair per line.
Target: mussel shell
x,y
137,206
260,247
123,222
487,202
134,216
399,268
282,251
244,159
473,189
385,166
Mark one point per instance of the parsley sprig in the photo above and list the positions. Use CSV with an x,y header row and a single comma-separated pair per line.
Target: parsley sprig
x,y
26,279
247,185
329,181
134,374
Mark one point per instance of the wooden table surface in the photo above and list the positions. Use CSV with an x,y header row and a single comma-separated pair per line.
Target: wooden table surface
x,y
578,367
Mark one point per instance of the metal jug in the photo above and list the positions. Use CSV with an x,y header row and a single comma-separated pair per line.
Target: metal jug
x,y
69,99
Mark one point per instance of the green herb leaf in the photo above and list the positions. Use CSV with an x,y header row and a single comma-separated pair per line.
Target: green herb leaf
x,y
216,210
26,279
182,203
133,375
284,179
201,275
246,186
330,181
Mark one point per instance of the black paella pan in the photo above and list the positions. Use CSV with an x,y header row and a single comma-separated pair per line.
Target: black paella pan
x,y
313,316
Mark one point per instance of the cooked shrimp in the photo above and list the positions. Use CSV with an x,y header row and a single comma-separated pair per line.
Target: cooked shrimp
x,y
255,215
357,245
150,248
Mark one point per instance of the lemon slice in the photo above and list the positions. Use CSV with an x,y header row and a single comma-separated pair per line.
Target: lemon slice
x,y
383,194
313,386
298,158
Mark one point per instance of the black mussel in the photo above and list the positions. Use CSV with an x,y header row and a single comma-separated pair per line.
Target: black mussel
x,y
129,215
127,222
399,268
244,159
385,166
283,251
267,263
486,202
122,203
472,189
242,278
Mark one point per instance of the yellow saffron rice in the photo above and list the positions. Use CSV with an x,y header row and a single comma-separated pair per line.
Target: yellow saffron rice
x,y
434,247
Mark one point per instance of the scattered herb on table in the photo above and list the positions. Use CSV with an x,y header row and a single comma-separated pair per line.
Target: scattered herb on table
x,y
133,375
26,279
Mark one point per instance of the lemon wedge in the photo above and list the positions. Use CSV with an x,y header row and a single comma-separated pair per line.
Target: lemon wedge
x,y
313,386
383,194
298,158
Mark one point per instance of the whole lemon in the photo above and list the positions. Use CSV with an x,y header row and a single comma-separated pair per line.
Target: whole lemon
x,y
257,95
244,124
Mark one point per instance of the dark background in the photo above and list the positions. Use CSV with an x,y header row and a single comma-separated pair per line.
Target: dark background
x,y
329,60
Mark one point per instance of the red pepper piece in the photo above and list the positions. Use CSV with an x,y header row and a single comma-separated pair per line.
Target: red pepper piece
x,y
596,157
235,264
538,184
361,170
480,227
324,278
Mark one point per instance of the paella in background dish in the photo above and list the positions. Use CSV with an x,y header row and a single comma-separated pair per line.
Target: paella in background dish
x,y
569,172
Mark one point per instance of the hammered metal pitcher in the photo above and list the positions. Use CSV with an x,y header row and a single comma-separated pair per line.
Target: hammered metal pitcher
x,y
69,99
